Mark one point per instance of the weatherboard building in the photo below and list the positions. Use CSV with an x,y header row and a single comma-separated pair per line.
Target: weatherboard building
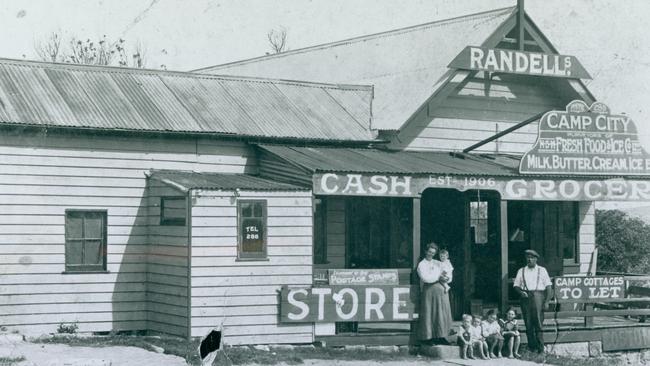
x,y
177,202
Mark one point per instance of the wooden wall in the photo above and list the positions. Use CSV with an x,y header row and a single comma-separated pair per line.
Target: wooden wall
x,y
478,109
243,295
167,268
336,232
42,175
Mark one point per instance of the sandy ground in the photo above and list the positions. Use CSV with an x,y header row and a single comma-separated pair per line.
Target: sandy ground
x,y
64,355
60,355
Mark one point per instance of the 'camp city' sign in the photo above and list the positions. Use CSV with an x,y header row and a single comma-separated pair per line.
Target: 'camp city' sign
x,y
570,289
586,140
510,188
346,303
519,62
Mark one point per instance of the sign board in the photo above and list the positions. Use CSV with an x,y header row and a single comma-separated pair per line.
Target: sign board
x,y
519,62
347,303
369,277
587,141
252,234
510,188
572,288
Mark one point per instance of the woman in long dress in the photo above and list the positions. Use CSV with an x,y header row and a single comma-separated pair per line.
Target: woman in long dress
x,y
435,311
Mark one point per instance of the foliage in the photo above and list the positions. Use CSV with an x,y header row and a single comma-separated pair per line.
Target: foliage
x,y
65,328
622,242
102,52
8,360
277,39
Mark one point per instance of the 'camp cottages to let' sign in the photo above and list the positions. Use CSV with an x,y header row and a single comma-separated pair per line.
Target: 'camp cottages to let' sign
x,y
586,140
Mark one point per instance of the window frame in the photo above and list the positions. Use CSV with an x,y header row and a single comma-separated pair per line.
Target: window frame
x,y
320,222
475,222
87,268
576,234
247,256
172,221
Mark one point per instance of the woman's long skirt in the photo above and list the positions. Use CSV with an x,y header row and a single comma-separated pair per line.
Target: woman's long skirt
x,y
435,312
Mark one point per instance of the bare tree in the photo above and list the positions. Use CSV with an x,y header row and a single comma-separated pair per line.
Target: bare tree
x,y
277,39
90,52
50,48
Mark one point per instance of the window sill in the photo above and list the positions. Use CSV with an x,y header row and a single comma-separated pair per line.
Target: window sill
x,y
265,259
84,272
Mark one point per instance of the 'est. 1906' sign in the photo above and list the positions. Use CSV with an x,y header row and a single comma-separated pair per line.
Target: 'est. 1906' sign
x,y
569,289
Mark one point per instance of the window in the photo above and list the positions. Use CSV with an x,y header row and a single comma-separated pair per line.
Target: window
x,y
85,241
172,211
251,216
478,214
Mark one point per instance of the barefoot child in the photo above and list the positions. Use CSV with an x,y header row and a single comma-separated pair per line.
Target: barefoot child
x,y
510,332
492,334
464,338
447,268
476,338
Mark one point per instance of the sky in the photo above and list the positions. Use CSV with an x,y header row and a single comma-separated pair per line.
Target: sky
x,y
608,36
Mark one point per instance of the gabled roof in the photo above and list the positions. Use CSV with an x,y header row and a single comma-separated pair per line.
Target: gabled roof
x,y
112,98
405,66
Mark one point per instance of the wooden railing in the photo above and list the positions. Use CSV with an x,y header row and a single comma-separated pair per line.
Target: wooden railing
x,y
636,302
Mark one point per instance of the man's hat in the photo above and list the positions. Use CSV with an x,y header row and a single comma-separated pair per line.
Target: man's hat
x,y
528,252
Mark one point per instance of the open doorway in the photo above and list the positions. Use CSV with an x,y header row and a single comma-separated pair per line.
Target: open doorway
x,y
467,224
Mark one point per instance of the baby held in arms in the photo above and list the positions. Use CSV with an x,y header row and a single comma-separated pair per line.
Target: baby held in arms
x,y
447,268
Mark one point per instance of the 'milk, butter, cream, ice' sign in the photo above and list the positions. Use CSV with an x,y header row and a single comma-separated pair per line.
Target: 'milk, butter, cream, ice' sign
x,y
519,62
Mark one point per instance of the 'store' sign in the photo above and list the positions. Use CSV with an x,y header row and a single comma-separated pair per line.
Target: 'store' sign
x,y
570,289
346,303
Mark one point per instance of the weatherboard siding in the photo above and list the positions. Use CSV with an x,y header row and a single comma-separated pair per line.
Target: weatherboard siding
x,y
243,295
43,174
479,109
167,267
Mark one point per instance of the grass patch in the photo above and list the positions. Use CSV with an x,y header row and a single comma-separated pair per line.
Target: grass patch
x,y
237,355
566,361
11,360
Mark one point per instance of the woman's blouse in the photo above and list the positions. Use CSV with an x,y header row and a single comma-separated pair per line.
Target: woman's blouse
x,y
429,270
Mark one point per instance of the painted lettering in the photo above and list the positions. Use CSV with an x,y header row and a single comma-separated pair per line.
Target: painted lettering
x,y
321,292
325,187
397,292
405,185
304,309
376,307
378,184
354,182
355,304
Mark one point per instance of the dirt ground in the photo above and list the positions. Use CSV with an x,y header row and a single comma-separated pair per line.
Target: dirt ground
x,y
64,355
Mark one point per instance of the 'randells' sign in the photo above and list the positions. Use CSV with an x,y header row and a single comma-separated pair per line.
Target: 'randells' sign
x,y
586,140
519,62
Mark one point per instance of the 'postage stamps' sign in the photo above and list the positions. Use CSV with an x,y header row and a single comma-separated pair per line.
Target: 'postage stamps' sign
x,y
347,303
519,62
568,289
586,140
363,277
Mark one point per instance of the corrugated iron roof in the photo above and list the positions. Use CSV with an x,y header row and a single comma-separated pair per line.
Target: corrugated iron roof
x,y
354,160
404,65
66,95
185,180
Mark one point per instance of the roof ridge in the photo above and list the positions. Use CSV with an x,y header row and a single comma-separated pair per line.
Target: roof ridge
x,y
392,32
130,70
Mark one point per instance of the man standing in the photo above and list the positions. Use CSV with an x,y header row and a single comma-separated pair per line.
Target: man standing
x,y
534,286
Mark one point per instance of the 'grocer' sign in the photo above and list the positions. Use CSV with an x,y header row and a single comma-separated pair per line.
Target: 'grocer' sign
x,y
574,288
519,62
586,140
